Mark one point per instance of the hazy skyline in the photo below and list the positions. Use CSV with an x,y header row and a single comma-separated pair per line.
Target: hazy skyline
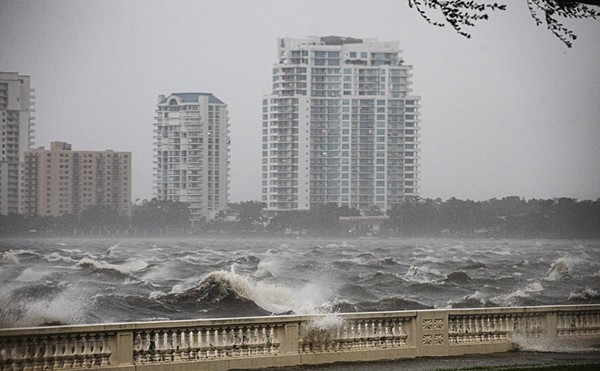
x,y
511,111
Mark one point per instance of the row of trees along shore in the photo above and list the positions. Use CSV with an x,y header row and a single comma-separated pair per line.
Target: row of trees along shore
x,y
509,217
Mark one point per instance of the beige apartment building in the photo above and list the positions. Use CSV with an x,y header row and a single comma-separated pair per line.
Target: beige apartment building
x,y
61,181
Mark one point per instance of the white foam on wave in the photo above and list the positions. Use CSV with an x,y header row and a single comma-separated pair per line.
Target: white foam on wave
x,y
422,274
127,267
522,292
55,256
561,268
110,250
273,297
32,274
12,256
477,296
67,307
585,294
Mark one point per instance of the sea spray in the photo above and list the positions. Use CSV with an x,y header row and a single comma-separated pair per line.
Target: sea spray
x,y
321,334
551,344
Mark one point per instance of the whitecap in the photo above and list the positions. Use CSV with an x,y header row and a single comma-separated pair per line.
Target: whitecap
x,y
585,294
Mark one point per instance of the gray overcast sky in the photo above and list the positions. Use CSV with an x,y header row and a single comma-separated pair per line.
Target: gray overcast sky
x,y
511,111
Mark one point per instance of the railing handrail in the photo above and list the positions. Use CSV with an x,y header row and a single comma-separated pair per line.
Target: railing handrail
x,y
289,340
281,319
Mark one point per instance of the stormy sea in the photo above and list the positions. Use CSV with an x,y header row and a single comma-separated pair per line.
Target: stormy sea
x,y
95,280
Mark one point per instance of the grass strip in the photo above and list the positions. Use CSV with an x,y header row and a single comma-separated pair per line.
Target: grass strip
x,y
569,367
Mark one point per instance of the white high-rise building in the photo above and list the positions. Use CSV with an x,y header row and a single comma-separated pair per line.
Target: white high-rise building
x,y
191,152
16,134
341,126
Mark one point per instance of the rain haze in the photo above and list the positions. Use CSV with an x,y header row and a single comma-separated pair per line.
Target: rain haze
x,y
511,111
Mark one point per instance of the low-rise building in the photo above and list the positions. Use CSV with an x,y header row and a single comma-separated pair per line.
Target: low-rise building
x,y
61,181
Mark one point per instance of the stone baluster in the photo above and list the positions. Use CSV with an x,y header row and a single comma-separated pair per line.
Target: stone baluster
x,y
77,351
272,341
221,342
471,328
192,345
202,344
150,347
14,355
342,334
159,346
480,328
183,345
497,323
387,334
353,341
245,339
350,336
28,353
215,342
59,349
461,336
236,334
458,326
5,354
404,332
367,333
393,332
560,324
262,341
49,343
170,337
39,345
485,328
105,353
356,327
93,349
495,327
376,338
86,351
33,354
137,347
452,332
516,324
379,333
173,346
210,339
69,356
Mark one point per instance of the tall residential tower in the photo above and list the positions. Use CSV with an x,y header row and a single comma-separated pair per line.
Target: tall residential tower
x,y
191,152
16,134
341,126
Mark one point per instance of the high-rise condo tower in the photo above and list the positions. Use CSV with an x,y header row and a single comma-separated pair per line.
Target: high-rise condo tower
x,y
341,126
191,153
16,134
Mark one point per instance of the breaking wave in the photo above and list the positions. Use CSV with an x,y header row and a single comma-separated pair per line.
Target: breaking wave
x,y
98,280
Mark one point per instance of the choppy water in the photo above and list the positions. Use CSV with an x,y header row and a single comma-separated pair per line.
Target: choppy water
x,y
101,280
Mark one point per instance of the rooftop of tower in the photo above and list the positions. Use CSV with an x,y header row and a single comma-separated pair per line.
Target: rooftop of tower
x,y
339,40
192,98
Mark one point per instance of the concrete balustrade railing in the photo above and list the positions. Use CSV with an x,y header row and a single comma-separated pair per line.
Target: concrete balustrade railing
x,y
257,342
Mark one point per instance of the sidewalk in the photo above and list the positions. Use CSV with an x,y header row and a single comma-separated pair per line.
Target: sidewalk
x,y
435,363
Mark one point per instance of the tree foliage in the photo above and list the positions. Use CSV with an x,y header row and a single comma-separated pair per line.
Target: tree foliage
x,y
461,14
157,215
506,217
